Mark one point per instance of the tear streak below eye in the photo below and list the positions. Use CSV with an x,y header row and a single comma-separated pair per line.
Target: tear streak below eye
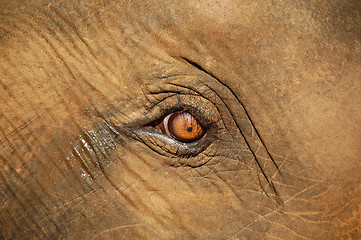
x,y
183,127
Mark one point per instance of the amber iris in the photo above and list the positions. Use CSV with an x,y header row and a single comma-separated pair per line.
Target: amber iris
x,y
184,127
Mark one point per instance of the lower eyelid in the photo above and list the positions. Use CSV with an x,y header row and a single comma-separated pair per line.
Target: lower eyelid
x,y
163,143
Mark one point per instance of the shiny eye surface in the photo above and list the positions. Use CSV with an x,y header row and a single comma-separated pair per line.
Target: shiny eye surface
x,y
183,127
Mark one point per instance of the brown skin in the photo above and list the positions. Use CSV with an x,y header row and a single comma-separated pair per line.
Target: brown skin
x,y
277,85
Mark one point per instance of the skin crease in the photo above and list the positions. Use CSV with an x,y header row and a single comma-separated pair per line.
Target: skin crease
x,y
277,83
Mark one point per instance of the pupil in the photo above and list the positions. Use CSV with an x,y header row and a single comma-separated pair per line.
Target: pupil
x,y
189,129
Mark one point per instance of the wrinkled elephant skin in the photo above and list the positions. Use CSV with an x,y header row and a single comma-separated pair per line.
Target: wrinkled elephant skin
x,y
91,90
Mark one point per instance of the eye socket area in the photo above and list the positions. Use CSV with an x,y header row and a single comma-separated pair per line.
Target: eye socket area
x,y
182,126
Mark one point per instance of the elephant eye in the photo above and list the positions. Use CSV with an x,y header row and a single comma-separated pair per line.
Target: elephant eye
x,y
183,127
178,129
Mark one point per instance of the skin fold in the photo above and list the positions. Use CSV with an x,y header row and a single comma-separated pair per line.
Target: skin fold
x,y
275,84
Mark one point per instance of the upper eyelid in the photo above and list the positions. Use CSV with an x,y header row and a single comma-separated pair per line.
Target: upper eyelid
x,y
160,98
194,84
206,115
190,87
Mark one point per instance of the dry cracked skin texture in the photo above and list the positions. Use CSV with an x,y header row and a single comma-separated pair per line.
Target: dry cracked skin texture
x,y
277,83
